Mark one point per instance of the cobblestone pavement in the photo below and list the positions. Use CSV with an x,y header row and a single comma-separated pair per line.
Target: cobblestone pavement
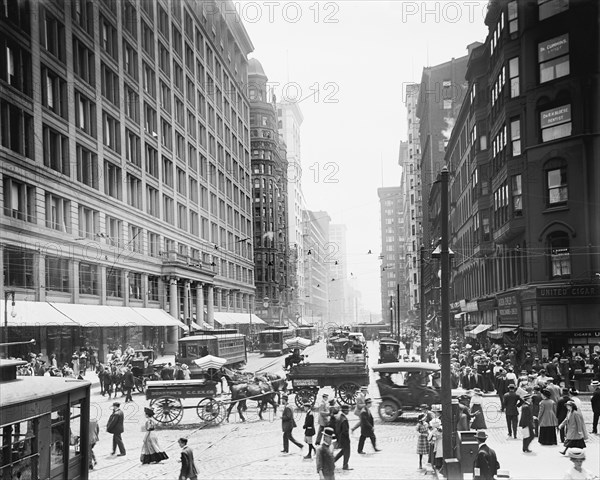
x,y
251,450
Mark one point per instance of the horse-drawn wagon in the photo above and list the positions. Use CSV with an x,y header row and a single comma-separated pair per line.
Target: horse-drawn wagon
x,y
346,378
165,398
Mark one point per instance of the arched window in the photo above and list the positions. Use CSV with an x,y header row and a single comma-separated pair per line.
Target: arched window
x,y
559,254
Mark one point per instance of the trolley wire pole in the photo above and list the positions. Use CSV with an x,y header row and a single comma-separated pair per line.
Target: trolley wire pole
x,y
446,392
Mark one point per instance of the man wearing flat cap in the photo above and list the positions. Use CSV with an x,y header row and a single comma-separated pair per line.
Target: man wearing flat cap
x,y
486,463
115,426
511,403
323,417
287,425
324,456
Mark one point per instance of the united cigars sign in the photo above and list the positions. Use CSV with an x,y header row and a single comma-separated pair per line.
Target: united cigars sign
x,y
569,291
508,308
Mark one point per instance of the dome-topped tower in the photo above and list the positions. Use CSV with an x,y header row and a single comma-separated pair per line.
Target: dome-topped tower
x,y
255,68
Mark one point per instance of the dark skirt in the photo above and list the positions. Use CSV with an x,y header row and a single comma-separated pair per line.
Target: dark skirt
x,y
153,457
547,436
478,422
579,443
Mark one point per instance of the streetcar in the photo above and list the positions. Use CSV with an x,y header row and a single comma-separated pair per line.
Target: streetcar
x,y
224,343
272,340
309,332
44,423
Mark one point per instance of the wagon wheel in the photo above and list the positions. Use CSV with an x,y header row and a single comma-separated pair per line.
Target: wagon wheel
x,y
210,410
347,392
303,396
167,410
139,384
390,410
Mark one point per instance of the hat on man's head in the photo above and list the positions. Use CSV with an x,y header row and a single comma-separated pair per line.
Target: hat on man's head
x,y
328,432
546,392
481,435
511,387
116,404
308,404
345,408
577,453
284,397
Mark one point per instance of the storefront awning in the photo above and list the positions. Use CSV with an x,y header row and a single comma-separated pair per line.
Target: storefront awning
x,y
500,331
113,316
482,327
37,314
157,317
231,318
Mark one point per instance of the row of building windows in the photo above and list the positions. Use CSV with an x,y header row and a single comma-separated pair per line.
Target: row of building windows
x,y
19,202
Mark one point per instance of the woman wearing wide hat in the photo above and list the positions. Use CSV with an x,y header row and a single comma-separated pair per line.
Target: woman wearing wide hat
x,y
478,421
577,472
547,419
151,452
576,432
422,441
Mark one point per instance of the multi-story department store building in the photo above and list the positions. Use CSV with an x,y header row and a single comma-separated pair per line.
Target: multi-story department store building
x,y
125,164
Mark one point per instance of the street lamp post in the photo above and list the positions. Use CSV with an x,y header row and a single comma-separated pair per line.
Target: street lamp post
x,y
7,294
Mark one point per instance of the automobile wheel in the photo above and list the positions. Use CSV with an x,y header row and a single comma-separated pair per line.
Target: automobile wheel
x,y
389,410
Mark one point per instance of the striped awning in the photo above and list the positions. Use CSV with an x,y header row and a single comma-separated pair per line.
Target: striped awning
x,y
482,327
500,331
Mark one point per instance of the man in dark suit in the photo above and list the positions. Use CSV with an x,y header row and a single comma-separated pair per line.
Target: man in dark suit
x,y
486,464
536,398
115,426
595,400
188,467
469,380
511,404
367,427
561,411
344,437
526,423
128,384
287,425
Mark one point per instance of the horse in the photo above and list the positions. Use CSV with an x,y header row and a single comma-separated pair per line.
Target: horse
x,y
261,392
278,383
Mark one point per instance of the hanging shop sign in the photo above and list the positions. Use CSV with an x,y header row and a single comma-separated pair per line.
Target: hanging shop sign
x,y
508,308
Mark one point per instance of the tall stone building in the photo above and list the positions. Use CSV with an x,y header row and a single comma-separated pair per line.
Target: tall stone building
x,y
290,120
393,252
125,164
274,285
316,268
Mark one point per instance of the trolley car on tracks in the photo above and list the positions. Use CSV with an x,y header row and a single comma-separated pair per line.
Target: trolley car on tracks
x,y
165,398
44,423
272,340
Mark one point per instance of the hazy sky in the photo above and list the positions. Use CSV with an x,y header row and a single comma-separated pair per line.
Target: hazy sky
x,y
358,56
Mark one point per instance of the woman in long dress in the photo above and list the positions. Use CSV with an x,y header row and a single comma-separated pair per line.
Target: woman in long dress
x,y
422,440
547,419
151,452
478,422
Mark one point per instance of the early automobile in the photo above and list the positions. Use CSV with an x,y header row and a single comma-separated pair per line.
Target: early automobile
x,y
389,349
406,385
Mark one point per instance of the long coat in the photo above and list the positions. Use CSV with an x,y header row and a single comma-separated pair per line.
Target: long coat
x,y
188,467
547,414
486,462
343,431
526,420
115,422
287,419
366,423
309,424
575,425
